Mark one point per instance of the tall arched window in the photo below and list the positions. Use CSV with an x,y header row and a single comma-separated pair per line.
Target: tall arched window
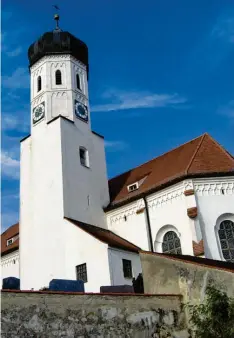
x,y
58,77
226,237
171,243
78,81
38,83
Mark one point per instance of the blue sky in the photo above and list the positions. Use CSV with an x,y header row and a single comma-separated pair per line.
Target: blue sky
x,y
161,73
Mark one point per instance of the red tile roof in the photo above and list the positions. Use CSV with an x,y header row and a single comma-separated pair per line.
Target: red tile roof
x,y
106,236
202,156
8,234
198,248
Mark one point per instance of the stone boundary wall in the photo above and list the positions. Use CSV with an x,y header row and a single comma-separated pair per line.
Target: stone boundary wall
x,y
55,314
162,273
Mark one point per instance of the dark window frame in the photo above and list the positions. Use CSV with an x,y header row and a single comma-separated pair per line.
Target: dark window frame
x,y
127,268
84,160
78,81
81,272
58,77
226,239
171,243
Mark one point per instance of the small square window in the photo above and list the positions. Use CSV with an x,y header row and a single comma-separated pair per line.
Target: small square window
x,y
84,158
81,272
127,268
9,241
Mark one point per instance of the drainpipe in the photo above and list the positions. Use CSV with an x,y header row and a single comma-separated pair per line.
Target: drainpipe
x,y
148,224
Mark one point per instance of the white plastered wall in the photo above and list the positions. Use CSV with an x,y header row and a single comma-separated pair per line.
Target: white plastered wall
x,y
85,190
215,200
116,266
42,247
81,248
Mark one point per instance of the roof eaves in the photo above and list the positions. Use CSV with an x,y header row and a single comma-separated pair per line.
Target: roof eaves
x,y
164,185
10,250
104,230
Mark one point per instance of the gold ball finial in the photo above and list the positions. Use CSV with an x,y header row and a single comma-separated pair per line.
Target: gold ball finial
x,y
56,17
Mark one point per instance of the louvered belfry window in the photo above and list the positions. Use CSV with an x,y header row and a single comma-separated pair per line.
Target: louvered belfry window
x,y
39,83
58,77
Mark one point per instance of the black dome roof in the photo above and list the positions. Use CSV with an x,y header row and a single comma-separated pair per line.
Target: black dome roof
x,y
58,42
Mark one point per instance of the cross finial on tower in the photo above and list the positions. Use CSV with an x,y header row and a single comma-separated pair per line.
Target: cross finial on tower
x,y
56,17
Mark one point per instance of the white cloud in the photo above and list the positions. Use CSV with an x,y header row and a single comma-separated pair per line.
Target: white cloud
x,y
134,100
9,165
115,145
18,79
10,121
15,52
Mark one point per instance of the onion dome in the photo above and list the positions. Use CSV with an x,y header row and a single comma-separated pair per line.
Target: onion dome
x,y
58,42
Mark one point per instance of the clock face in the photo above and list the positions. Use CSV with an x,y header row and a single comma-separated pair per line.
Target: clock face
x,y
38,112
81,111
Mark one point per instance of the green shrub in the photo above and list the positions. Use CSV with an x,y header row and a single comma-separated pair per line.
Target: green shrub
x,y
214,318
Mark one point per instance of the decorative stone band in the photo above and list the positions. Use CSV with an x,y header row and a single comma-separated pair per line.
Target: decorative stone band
x,y
140,211
189,192
192,212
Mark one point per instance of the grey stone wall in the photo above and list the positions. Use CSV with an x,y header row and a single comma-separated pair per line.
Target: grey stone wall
x,y
64,315
167,275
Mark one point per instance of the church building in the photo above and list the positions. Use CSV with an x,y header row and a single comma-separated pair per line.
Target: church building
x,y
74,223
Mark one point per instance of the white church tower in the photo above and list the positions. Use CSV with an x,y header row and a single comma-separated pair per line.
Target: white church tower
x,y
63,167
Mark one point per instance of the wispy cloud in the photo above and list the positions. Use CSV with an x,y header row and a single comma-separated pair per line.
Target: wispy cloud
x,y
119,100
227,110
224,29
115,145
18,79
15,52
9,165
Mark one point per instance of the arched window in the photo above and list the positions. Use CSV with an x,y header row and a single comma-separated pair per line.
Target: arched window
x,y
58,77
171,243
84,157
78,81
38,83
226,237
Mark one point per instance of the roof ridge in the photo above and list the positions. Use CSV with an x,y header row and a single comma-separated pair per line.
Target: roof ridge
x,y
183,144
11,226
195,153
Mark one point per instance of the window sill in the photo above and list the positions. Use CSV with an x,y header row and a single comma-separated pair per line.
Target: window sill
x,y
85,166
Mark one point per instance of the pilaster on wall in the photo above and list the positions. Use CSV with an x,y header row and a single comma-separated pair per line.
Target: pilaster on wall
x,y
192,210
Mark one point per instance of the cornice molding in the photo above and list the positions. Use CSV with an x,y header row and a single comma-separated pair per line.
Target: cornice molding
x,y
10,259
214,187
57,57
199,187
162,198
